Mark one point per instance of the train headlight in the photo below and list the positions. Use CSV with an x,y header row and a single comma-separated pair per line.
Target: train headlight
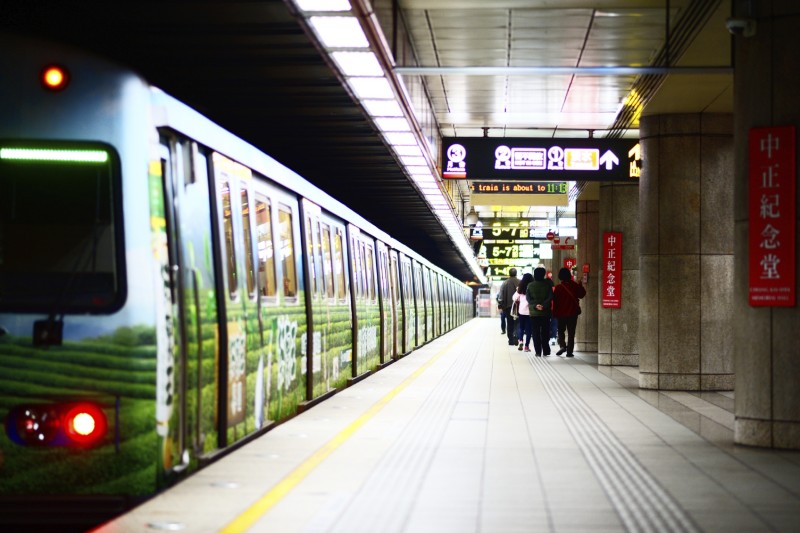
x,y
55,78
57,424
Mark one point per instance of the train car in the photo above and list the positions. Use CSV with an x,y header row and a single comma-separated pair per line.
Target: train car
x,y
168,291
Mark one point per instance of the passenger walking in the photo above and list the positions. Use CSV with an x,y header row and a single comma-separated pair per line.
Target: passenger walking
x,y
566,308
524,314
507,290
539,295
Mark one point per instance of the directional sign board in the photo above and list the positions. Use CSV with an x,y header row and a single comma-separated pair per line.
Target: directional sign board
x,y
531,159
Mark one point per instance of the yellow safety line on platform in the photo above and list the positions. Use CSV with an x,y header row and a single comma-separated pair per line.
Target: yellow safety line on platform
x,y
277,493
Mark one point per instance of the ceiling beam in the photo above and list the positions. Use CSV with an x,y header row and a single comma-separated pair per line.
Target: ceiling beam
x,y
558,71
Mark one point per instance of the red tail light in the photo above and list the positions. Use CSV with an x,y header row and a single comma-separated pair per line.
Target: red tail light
x,y
55,78
57,424
85,423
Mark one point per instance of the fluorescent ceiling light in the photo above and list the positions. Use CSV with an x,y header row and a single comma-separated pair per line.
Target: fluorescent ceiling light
x,y
358,63
339,32
323,5
425,181
418,171
372,88
409,151
392,124
398,138
383,108
411,160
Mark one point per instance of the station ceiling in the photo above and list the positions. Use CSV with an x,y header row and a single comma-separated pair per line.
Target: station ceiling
x,y
251,66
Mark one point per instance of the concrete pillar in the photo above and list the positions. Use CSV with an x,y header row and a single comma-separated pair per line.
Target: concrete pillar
x,y
618,329
686,291
586,212
766,349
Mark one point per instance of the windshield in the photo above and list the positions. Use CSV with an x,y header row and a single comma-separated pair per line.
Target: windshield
x,y
60,244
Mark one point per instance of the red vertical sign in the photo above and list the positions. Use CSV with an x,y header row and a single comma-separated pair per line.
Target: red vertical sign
x,y
612,270
772,217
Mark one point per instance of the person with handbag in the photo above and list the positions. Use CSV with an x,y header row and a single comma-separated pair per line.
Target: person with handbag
x,y
523,314
566,308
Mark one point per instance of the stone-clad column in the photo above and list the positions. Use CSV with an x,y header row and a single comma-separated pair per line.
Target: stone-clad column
x,y
588,252
618,329
686,291
765,346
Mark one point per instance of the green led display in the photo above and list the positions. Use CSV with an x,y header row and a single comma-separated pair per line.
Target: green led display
x,y
44,154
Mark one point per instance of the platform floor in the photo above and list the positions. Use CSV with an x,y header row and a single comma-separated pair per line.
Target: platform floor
x,y
468,434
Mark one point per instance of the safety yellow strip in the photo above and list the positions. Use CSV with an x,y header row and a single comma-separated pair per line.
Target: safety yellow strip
x,y
282,489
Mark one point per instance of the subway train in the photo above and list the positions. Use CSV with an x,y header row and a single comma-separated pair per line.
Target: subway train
x,y
168,291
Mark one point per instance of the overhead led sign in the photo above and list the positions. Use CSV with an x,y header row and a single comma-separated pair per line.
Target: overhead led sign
x,y
506,187
531,159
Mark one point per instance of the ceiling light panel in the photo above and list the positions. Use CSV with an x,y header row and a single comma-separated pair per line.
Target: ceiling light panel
x,y
372,88
383,108
392,124
339,32
323,5
358,63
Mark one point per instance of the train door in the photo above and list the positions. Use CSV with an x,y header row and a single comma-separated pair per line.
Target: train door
x,y
366,311
189,432
397,311
419,303
329,336
429,303
437,303
409,306
386,304
275,357
261,377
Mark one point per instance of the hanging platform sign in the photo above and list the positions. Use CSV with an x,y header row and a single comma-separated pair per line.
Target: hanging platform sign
x,y
531,159
612,270
772,238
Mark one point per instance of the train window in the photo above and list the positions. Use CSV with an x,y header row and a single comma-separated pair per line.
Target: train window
x,y
227,222
287,251
312,263
363,267
393,281
60,231
356,281
327,260
248,241
339,263
266,253
318,259
370,272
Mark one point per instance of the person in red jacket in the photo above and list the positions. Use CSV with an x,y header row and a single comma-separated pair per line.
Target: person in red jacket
x,y
566,308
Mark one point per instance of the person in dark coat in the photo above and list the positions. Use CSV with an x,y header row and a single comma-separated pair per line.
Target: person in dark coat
x,y
566,308
539,294
507,290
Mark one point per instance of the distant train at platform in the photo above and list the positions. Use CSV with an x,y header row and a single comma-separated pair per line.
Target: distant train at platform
x,y
168,291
